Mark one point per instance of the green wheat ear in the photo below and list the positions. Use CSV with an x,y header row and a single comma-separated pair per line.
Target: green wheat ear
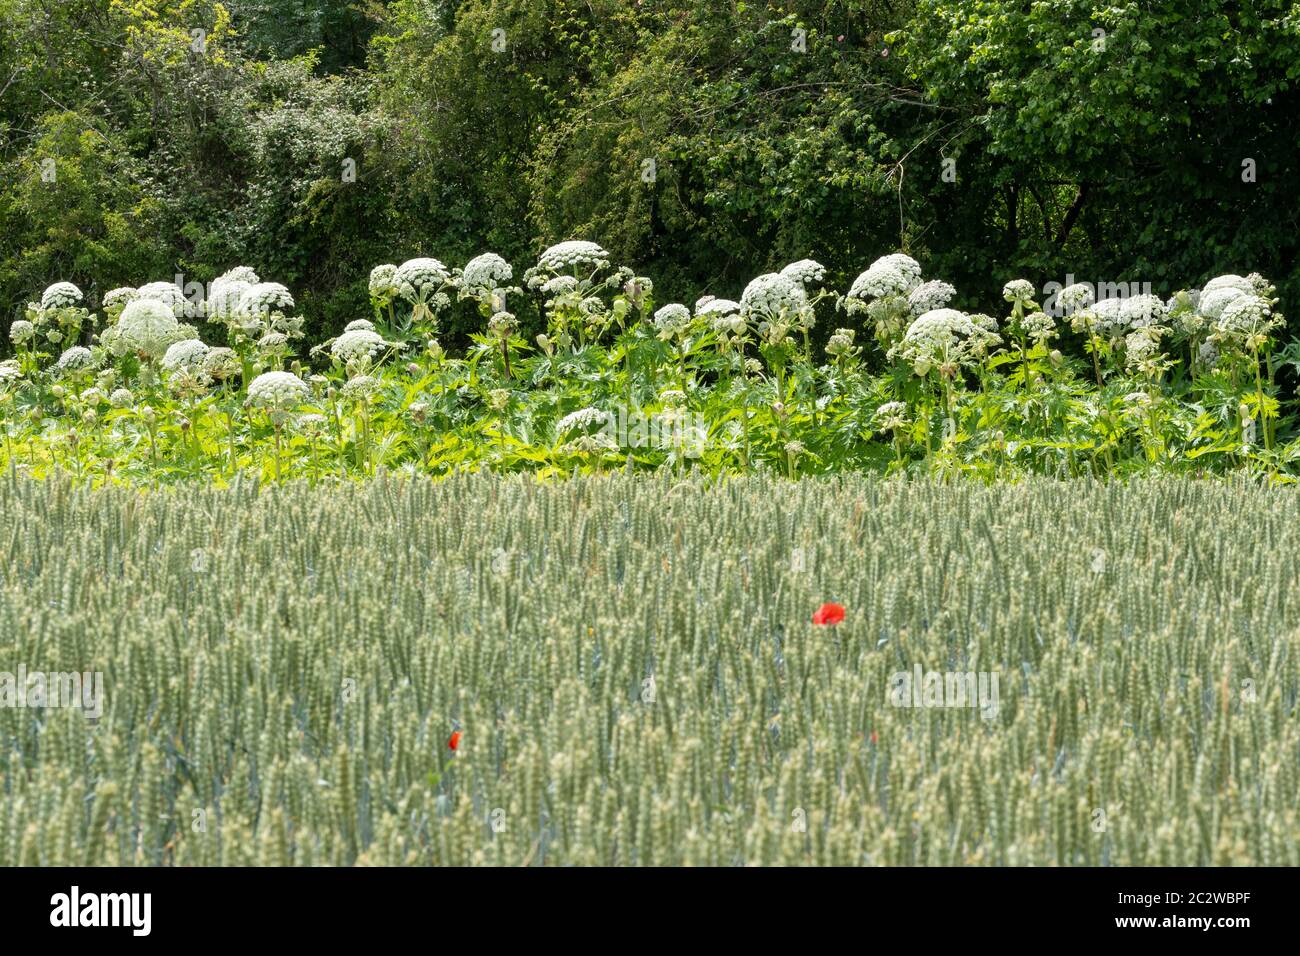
x,y
638,681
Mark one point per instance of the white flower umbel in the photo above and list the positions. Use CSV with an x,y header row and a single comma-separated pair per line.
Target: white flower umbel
x,y
418,279
147,326
573,255
277,392
1240,283
583,420
115,300
222,364
239,274
186,354
880,282
1214,301
1246,322
1140,311
1108,317
61,295
484,273
75,359
357,346
224,297
716,307
1018,290
383,283
280,395
928,296
774,297
1075,297
21,332
170,295
905,265
944,339
259,301
1038,326
807,272
672,320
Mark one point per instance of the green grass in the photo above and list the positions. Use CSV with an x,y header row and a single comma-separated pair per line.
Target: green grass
x,y
298,677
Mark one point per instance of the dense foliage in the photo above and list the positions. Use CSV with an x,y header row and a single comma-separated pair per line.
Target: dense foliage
x,y
1103,384
635,678
703,142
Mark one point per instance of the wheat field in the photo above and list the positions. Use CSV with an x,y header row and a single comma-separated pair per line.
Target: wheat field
x,y
632,669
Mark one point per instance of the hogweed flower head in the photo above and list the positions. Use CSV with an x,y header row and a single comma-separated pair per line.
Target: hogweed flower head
x,y
1240,283
1246,322
1038,326
115,300
185,354
572,255
263,299
1214,301
1075,297
1018,291
221,364
359,345
584,420
928,296
1143,310
807,272
383,285
21,332
277,392
775,298
486,273
76,359
672,320
169,294
361,388
503,325
61,295
147,326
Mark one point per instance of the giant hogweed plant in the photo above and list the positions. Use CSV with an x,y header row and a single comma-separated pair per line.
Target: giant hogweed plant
x,y
906,382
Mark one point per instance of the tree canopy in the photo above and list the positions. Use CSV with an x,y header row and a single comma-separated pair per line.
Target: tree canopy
x,y
702,143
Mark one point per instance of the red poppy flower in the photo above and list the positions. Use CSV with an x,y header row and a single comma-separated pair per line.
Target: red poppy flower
x,y
455,740
874,737
829,613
